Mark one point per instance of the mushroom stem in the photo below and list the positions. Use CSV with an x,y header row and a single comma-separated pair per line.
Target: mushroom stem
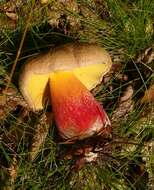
x,y
77,114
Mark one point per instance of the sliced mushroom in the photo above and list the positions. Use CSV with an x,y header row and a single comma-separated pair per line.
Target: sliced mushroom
x,y
70,72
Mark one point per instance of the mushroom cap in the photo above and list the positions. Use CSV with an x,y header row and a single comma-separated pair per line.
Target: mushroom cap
x,y
89,62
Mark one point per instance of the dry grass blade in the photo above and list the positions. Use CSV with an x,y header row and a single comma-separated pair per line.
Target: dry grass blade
x,y
20,46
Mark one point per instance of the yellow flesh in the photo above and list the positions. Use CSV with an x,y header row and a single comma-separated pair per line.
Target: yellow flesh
x,y
89,76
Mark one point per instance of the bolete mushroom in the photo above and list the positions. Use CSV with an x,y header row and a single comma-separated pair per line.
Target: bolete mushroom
x,y
70,71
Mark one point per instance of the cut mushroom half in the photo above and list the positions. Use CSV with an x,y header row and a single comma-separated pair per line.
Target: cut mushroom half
x,y
70,72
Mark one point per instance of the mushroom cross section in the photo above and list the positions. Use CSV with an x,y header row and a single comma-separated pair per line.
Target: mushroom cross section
x,y
70,72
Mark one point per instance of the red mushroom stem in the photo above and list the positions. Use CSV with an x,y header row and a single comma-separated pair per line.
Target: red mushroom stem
x,y
77,114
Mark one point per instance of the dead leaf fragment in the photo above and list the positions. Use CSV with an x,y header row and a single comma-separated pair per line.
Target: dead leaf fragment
x,y
127,94
11,176
125,106
12,16
148,152
147,56
40,134
149,95
91,157
13,169
45,1
10,10
9,101
2,100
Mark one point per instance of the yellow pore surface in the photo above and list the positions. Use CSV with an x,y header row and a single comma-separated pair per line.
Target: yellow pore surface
x,y
90,76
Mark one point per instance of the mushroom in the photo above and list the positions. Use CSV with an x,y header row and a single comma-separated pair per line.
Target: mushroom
x,y
70,72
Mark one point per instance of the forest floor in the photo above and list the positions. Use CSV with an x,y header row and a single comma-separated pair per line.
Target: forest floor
x,y
30,155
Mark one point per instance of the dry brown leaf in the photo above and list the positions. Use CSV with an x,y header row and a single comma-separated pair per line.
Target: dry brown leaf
x,y
40,134
125,106
2,100
59,17
147,152
10,9
148,95
9,101
147,56
13,170
44,1
127,94
13,16
121,76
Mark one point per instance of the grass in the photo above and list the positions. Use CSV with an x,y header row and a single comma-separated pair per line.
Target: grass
x,y
125,29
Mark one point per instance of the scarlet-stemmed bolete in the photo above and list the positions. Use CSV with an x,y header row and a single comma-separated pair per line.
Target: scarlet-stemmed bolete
x,y
70,71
